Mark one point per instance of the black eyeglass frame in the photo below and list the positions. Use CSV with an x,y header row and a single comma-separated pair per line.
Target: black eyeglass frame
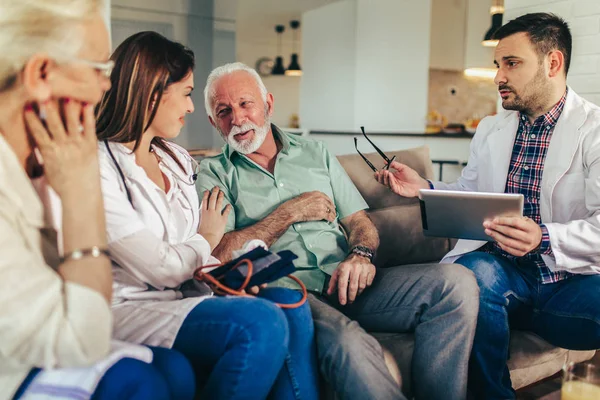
x,y
388,161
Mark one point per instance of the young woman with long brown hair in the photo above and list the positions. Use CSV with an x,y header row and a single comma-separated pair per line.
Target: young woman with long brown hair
x,y
159,233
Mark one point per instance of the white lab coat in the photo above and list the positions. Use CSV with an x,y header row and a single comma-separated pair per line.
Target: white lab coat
x,y
155,246
570,187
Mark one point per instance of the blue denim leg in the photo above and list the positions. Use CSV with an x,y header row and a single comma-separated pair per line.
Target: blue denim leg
x,y
169,376
503,291
237,346
131,379
299,377
573,305
176,371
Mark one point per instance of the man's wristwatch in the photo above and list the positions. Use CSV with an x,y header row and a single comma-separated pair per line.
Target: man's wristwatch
x,y
363,252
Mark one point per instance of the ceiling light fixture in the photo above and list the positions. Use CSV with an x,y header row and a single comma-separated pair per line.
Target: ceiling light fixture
x,y
497,12
278,69
294,67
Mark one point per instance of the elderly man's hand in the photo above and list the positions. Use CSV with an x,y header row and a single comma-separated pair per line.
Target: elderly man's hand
x,y
351,277
515,235
310,206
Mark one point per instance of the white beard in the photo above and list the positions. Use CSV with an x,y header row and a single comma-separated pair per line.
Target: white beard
x,y
249,145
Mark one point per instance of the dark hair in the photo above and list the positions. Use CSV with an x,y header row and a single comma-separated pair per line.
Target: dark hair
x,y
546,31
145,65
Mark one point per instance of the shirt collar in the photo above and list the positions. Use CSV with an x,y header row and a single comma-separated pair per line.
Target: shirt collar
x,y
286,141
552,116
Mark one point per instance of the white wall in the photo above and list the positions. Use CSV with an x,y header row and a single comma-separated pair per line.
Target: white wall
x,y
329,61
478,22
583,17
392,65
390,45
448,26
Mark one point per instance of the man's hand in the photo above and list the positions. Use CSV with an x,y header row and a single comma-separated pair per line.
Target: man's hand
x,y
402,180
351,277
515,235
310,206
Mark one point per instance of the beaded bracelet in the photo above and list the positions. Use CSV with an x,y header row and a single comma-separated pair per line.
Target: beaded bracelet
x,y
78,254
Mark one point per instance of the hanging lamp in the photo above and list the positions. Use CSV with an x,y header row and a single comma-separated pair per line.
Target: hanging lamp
x,y
497,12
278,68
294,67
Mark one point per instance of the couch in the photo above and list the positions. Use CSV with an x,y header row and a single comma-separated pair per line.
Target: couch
x,y
402,242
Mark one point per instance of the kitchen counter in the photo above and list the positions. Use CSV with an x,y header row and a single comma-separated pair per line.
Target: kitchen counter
x,y
462,135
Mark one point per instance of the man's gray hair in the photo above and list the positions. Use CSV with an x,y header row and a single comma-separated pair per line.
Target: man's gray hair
x,y
222,71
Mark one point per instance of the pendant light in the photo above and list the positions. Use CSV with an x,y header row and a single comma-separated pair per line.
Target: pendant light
x,y
278,69
497,11
294,67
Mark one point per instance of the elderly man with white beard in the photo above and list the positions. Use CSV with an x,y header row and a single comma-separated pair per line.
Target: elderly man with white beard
x,y
293,194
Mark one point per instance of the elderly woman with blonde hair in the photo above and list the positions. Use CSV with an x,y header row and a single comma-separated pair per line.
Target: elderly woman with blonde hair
x,y
56,287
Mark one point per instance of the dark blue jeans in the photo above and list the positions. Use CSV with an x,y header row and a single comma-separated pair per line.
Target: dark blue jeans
x,y
566,314
248,348
168,377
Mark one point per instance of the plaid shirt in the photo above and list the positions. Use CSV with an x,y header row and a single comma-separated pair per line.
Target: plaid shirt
x,y
525,177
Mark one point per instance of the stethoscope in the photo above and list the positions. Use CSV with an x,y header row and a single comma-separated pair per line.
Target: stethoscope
x,y
189,180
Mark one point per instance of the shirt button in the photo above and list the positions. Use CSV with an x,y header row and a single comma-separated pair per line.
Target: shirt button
x,y
299,226
532,136
281,184
526,168
310,246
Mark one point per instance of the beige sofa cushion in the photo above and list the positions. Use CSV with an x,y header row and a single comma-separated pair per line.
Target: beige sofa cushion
x,y
397,219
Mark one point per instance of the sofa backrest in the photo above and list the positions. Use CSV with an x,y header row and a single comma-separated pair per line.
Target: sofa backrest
x,y
398,219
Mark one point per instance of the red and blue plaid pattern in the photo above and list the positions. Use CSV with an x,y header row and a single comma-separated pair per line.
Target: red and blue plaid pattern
x,y
525,177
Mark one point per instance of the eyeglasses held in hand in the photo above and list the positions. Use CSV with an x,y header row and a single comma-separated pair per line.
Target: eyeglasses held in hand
x,y
388,161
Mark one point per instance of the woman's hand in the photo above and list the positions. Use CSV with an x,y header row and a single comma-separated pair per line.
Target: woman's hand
x,y
67,144
213,216
402,180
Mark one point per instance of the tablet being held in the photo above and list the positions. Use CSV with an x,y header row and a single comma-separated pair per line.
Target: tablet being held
x,y
455,214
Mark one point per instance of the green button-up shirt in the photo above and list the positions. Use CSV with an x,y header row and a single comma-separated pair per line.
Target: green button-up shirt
x,y
302,165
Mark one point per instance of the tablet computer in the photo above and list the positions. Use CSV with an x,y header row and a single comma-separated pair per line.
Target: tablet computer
x,y
456,214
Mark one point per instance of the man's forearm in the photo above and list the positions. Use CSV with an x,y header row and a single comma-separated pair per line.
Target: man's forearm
x,y
361,231
268,230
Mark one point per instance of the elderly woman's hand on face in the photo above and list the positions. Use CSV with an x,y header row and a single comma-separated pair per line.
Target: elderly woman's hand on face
x,y
67,143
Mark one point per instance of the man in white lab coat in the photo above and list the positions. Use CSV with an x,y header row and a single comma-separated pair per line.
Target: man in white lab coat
x,y
541,272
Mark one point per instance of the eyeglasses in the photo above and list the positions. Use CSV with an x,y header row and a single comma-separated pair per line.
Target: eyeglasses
x,y
103,68
388,161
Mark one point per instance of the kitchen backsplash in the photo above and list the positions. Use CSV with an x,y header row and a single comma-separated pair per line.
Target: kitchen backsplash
x,y
459,98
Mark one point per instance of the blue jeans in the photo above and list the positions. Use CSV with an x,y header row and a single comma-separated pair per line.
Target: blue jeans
x,y
248,348
169,376
566,314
